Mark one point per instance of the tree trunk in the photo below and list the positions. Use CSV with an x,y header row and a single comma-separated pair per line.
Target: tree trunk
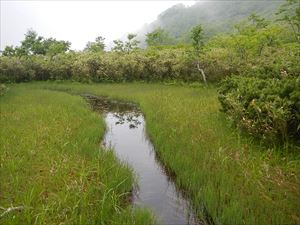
x,y
202,73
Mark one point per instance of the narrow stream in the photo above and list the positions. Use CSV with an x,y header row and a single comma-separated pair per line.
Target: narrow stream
x,y
127,136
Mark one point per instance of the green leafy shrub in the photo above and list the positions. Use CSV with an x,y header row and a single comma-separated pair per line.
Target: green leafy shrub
x,y
149,65
264,51
13,69
268,108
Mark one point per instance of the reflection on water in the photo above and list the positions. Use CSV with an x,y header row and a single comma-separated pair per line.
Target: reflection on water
x,y
126,135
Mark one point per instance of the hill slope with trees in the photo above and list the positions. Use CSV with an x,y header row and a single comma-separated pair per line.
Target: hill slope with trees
x,y
215,16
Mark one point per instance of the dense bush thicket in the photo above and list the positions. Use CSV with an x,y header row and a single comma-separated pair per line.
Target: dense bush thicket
x,y
268,108
266,52
257,47
264,96
218,62
111,66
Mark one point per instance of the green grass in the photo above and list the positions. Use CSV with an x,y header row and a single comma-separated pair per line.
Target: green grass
x,y
51,164
226,174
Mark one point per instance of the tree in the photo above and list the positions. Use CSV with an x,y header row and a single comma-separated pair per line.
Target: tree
x,y
58,47
37,45
290,13
158,37
9,51
197,42
119,46
251,25
257,21
32,44
131,44
197,37
128,46
96,46
53,47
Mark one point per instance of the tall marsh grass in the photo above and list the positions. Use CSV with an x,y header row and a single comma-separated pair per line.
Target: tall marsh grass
x,y
229,177
52,168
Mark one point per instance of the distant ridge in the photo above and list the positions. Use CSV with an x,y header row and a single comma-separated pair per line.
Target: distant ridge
x,y
215,16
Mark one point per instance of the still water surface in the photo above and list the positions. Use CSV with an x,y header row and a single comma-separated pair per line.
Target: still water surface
x,y
155,189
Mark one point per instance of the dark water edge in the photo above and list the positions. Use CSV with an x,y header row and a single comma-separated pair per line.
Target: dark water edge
x,y
155,188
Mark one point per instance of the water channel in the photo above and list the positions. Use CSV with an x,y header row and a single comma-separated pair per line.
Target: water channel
x,y
126,135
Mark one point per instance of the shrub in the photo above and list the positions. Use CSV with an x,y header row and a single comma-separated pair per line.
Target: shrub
x,y
163,65
268,108
13,69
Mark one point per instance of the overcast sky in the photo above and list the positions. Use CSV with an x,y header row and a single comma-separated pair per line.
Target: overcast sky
x,y
77,21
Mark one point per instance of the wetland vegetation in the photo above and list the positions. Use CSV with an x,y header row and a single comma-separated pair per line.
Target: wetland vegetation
x,y
222,113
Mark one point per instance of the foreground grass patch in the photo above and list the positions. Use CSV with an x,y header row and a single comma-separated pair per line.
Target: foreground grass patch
x,y
228,176
52,167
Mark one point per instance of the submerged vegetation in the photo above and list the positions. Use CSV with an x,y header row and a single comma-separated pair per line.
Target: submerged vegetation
x,y
51,165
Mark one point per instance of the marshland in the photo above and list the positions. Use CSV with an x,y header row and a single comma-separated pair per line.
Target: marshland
x,y
190,122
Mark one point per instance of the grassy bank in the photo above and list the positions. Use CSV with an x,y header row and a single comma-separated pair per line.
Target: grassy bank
x,y
51,166
229,176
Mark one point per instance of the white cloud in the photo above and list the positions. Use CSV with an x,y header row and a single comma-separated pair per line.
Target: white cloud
x,y
77,21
